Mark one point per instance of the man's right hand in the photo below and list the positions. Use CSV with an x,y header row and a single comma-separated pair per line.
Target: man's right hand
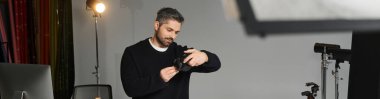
x,y
168,73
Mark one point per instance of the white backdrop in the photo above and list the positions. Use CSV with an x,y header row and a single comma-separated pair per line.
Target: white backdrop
x,y
275,67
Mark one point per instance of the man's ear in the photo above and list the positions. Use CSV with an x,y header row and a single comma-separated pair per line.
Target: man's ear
x,y
156,25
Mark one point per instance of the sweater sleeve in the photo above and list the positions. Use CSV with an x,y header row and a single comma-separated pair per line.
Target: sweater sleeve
x,y
136,84
212,65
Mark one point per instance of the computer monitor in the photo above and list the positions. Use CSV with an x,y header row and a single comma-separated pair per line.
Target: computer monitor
x,y
32,81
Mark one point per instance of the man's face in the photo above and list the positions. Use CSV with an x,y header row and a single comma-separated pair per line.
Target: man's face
x,y
166,32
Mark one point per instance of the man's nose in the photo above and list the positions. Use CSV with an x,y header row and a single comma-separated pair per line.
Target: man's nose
x,y
174,35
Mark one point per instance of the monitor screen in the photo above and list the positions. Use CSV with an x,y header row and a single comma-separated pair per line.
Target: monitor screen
x,y
31,81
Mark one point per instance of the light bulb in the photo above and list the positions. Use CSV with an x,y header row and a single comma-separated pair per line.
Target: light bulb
x,y
98,97
100,7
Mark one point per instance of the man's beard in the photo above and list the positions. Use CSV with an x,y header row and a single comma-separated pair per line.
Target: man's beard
x,y
162,40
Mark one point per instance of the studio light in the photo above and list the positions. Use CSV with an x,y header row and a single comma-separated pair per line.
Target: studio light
x,y
97,6
100,7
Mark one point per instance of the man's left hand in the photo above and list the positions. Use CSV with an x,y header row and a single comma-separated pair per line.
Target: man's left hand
x,y
195,58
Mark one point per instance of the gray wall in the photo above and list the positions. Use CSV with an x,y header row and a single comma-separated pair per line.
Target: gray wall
x,y
275,67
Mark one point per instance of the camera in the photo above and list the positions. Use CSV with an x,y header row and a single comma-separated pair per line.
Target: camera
x,y
180,66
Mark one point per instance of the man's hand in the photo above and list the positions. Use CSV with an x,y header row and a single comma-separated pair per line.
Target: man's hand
x,y
168,73
195,58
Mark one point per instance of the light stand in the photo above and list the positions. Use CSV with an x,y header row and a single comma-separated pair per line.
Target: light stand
x,y
339,55
97,55
97,7
324,68
325,49
337,78
97,51
331,52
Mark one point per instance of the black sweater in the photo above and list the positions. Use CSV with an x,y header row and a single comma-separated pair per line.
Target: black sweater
x,y
140,72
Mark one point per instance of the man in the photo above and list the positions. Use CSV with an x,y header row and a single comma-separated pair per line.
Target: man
x,y
147,68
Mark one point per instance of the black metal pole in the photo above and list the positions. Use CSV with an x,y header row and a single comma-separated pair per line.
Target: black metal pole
x,y
323,72
97,56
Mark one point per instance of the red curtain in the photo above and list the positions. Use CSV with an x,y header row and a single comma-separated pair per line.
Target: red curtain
x,y
40,32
